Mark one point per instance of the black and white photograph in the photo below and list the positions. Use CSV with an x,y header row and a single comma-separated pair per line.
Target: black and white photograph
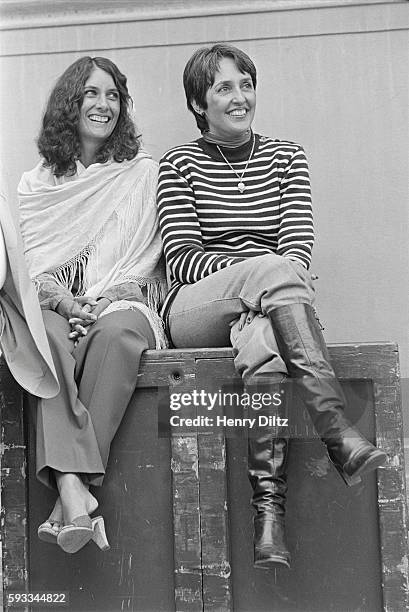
x,y
204,281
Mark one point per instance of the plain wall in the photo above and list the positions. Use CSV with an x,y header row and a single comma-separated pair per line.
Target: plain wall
x,y
333,79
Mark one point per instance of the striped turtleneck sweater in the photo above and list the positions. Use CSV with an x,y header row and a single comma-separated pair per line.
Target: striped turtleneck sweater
x,y
207,224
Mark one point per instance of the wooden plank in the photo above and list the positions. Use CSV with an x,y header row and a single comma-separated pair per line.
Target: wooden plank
x,y
202,559
392,498
13,485
217,592
137,573
365,361
180,376
166,372
380,363
188,574
214,373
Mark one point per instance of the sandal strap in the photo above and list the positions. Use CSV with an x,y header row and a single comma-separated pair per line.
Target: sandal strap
x,y
80,521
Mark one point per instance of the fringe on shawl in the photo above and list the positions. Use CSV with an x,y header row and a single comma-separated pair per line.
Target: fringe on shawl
x,y
156,289
72,270
154,319
65,276
78,268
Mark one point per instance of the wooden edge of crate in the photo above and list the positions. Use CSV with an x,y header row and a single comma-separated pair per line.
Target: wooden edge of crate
x,y
14,528
376,362
379,363
213,352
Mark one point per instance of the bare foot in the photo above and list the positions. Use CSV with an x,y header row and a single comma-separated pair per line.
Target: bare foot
x,y
56,518
75,497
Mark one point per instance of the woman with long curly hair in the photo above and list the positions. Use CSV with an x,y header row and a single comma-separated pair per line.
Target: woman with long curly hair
x,y
89,226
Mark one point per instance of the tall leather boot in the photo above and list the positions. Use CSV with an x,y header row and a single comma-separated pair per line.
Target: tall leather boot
x,y
267,460
303,348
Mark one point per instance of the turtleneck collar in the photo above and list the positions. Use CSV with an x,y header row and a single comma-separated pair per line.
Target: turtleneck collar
x,y
236,154
240,140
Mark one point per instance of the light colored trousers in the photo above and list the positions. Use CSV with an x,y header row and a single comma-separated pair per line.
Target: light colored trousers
x,y
97,379
201,313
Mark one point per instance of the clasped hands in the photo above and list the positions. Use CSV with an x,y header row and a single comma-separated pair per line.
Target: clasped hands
x,y
81,312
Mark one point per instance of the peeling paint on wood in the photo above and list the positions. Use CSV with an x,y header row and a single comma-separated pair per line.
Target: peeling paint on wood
x,y
13,485
198,463
186,501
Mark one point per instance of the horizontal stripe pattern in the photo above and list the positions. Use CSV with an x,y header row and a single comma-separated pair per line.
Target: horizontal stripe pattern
x,y
207,224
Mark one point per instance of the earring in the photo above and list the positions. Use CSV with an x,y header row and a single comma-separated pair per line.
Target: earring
x,y
198,110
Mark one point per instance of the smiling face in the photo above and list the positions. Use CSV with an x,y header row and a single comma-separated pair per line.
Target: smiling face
x,y
231,101
99,110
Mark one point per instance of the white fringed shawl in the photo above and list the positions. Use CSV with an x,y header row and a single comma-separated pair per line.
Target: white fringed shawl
x,y
99,225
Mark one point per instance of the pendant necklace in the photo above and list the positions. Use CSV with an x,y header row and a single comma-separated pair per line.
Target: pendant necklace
x,y
240,185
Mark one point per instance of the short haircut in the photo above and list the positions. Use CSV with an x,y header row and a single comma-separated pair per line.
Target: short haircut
x,y
59,142
200,72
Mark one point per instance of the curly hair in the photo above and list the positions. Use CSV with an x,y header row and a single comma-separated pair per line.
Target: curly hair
x,y
200,72
59,142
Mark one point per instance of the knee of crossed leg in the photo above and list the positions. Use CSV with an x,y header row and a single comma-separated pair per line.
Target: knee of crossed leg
x,y
267,271
123,331
272,264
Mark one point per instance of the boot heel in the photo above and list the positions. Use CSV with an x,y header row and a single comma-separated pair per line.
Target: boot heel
x,y
99,534
302,346
350,481
270,547
365,462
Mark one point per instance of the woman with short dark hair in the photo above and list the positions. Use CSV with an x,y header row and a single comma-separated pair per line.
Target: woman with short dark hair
x,y
200,71
236,222
89,224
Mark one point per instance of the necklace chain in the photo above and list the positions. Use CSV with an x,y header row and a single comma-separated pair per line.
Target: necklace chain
x,y
240,185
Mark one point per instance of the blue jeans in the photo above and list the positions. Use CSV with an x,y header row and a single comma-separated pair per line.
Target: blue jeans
x,y
203,314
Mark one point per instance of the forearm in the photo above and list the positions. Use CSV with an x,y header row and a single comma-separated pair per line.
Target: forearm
x,y
125,291
50,293
296,232
298,248
191,263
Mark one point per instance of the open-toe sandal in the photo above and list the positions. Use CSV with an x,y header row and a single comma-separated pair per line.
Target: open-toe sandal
x,y
47,533
76,534
99,535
